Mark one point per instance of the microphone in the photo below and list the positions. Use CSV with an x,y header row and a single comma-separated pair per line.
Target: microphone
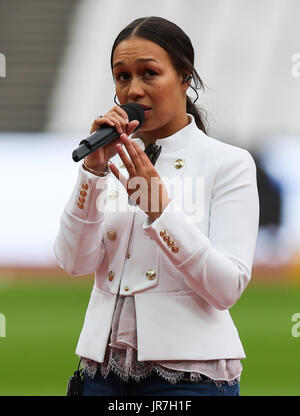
x,y
107,134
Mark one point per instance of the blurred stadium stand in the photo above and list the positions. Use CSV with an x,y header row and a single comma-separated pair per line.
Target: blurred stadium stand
x,y
32,37
270,196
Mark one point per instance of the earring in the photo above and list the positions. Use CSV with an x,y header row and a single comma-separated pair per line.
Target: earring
x,y
188,78
194,89
115,100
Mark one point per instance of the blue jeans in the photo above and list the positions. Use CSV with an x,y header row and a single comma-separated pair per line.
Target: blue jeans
x,y
153,385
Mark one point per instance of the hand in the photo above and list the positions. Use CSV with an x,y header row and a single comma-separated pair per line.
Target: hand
x,y
152,194
117,118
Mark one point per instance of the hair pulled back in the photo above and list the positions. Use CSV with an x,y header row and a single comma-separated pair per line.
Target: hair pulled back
x,y
174,40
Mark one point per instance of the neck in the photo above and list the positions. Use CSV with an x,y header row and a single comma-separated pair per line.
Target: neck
x,y
148,137
146,140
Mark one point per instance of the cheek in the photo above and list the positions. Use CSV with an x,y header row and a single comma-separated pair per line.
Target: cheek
x,y
167,97
120,93
164,94
171,87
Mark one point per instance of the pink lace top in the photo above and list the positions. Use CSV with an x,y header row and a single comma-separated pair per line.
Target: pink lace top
x,y
121,355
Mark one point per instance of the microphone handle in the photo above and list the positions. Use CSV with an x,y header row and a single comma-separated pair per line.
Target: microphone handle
x,y
96,140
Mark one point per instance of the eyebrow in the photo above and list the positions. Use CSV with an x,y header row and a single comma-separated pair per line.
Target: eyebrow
x,y
137,60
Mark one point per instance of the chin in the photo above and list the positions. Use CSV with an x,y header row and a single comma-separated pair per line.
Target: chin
x,y
144,128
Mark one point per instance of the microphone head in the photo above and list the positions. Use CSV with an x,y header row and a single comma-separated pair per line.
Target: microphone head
x,y
134,112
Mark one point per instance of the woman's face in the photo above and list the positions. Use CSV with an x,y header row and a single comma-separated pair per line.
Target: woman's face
x,y
144,74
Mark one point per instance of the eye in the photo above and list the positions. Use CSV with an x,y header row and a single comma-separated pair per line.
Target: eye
x,y
150,73
122,77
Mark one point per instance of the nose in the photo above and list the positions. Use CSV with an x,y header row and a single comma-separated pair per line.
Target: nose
x,y
136,89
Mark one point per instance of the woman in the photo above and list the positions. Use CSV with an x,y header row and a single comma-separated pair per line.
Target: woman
x,y
166,270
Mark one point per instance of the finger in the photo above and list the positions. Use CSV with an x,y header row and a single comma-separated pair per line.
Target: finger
x,y
122,116
118,124
138,150
146,161
119,110
131,151
115,116
129,165
131,127
118,175
98,122
102,120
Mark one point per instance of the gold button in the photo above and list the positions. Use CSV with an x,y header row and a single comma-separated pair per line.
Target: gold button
x,y
81,200
82,193
85,186
126,288
80,205
175,249
111,275
122,166
113,194
150,274
166,238
179,163
170,243
162,233
112,235
128,256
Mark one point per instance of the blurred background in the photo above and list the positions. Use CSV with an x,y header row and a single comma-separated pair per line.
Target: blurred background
x,y
54,80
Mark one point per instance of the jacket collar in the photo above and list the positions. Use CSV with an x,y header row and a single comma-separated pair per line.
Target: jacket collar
x,y
178,140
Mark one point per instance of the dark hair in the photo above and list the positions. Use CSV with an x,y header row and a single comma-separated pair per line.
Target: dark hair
x,y
174,40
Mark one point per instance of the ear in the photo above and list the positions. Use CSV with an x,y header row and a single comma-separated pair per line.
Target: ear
x,y
188,78
186,81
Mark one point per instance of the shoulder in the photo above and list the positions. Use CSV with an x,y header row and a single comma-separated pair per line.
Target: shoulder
x,y
234,167
220,153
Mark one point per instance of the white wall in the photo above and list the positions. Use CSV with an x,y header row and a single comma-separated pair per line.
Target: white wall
x,y
37,176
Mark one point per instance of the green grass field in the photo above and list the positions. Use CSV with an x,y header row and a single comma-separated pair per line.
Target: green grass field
x,y
44,319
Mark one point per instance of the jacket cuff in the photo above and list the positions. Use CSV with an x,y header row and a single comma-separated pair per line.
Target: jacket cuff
x,y
88,198
176,235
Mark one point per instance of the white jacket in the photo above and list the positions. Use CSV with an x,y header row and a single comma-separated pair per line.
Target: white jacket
x,y
181,296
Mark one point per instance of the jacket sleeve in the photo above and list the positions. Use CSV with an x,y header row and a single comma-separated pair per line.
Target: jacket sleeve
x,y
78,246
217,267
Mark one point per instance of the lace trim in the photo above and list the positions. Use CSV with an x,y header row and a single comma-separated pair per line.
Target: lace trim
x,y
124,364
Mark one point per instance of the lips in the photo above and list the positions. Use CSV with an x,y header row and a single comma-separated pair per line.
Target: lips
x,y
146,107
